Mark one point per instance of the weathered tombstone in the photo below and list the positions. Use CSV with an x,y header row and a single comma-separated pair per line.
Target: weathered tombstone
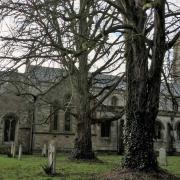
x,y
162,157
13,149
20,152
52,158
44,150
12,146
50,153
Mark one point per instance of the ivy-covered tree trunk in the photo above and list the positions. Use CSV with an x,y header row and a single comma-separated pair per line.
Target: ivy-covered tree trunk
x,y
143,88
139,125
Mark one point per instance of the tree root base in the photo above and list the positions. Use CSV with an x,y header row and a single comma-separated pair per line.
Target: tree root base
x,y
76,154
124,174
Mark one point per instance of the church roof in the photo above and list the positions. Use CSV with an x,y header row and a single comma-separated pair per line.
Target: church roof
x,y
49,74
45,74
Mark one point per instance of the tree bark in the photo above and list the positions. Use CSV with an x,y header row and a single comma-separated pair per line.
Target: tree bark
x,y
143,89
83,143
139,125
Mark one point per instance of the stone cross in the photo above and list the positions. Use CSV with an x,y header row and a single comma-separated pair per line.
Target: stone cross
x,y
162,157
52,158
20,152
44,150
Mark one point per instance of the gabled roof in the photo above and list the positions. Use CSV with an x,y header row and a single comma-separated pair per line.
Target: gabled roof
x,y
44,74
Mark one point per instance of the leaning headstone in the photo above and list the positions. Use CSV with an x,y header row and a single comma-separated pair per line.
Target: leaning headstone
x,y
44,150
20,152
162,157
52,158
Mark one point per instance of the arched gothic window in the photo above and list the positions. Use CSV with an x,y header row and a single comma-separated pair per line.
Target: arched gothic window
x,y
114,101
54,114
67,115
9,127
158,130
178,131
105,129
67,120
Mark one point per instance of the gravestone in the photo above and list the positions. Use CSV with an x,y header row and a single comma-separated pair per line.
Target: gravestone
x,y
52,158
162,157
44,150
12,146
13,149
20,152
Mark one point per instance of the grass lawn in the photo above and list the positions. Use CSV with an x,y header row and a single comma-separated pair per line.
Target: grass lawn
x,y
30,167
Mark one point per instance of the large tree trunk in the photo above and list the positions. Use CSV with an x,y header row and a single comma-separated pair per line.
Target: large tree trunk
x,y
83,143
139,125
143,88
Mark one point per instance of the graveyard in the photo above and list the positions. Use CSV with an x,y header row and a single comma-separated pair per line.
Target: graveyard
x,y
90,90
30,167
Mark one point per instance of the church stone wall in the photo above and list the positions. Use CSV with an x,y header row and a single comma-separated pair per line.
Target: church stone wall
x,y
43,134
13,104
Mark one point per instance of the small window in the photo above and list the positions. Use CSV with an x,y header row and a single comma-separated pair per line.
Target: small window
x,y
67,99
158,130
114,101
9,128
105,129
54,113
178,131
67,120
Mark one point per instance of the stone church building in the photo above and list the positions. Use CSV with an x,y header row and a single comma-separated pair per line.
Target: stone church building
x,y
30,113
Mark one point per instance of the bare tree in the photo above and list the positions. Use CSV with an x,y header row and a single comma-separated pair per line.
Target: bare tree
x,y
75,35
154,28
